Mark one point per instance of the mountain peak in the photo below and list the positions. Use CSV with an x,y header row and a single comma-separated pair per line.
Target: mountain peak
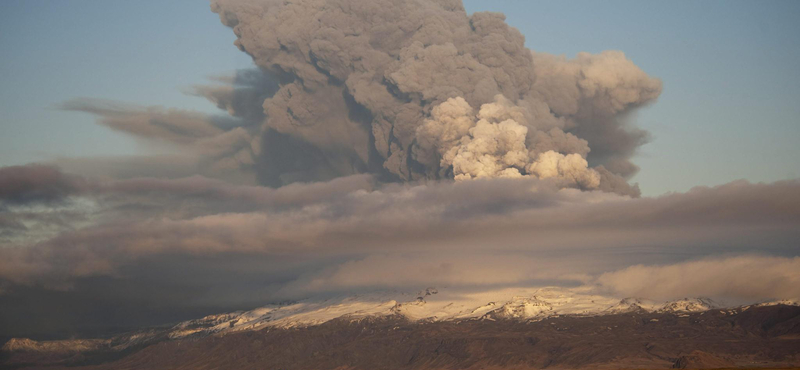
x,y
689,305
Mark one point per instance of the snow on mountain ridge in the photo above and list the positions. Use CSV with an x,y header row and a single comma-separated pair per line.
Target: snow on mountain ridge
x,y
524,308
633,304
433,304
787,302
689,305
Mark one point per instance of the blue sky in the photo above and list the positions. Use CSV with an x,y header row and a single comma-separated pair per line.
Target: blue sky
x,y
729,109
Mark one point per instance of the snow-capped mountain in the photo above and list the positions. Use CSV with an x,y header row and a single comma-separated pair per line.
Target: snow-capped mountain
x,y
438,305
689,305
543,308
428,305
786,302
633,304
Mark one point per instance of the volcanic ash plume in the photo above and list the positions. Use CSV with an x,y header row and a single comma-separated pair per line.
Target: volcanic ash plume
x,y
495,145
417,89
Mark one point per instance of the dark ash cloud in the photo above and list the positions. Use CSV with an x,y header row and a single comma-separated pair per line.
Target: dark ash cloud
x,y
404,90
35,184
361,82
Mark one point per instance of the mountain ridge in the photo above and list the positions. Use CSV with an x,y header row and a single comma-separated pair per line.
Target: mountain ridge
x,y
430,305
759,336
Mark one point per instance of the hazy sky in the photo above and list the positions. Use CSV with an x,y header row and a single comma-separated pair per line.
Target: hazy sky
x,y
728,110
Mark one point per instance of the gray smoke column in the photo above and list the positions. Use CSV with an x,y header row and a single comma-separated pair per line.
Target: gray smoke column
x,y
418,89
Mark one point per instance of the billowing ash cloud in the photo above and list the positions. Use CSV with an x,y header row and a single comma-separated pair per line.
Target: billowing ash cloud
x,y
406,90
419,89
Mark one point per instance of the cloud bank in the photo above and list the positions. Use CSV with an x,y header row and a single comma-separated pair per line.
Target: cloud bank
x,y
357,217
745,278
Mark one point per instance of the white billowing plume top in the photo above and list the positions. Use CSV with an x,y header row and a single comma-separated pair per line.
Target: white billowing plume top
x,y
493,144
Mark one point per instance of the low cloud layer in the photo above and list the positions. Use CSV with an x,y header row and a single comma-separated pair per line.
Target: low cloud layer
x,y
235,246
126,221
741,279
744,278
